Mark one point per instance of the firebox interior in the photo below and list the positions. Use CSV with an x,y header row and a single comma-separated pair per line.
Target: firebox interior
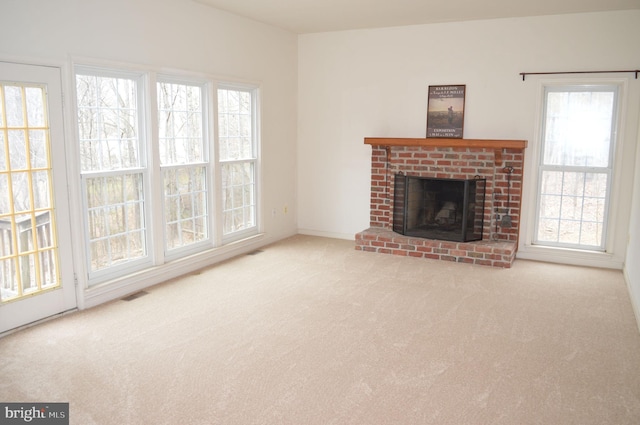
x,y
434,208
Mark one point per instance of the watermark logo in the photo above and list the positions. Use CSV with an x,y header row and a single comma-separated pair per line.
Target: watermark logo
x,y
34,413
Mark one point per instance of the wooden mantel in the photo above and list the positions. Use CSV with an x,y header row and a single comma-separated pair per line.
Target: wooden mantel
x,y
443,142
496,145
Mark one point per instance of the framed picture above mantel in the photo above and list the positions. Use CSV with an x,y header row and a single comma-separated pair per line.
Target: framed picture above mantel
x,y
445,111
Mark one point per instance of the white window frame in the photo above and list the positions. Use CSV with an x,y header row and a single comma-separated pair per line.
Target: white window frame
x,y
615,242
254,90
99,276
207,125
606,170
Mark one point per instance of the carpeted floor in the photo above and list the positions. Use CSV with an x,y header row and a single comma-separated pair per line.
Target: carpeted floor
x,y
311,331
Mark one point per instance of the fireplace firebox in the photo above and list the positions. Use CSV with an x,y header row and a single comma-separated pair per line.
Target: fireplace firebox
x,y
435,208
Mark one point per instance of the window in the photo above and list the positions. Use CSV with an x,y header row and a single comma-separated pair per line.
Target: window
x,y
575,166
148,179
238,158
184,164
113,170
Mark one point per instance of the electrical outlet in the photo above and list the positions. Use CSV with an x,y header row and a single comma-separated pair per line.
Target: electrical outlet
x,y
273,212
285,209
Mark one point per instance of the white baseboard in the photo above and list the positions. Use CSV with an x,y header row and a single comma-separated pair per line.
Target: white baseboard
x,y
632,295
333,235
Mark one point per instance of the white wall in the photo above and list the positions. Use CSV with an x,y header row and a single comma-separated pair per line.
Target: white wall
x,y
356,84
173,35
632,263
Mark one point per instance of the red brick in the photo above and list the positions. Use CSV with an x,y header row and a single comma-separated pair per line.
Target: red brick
x,y
483,248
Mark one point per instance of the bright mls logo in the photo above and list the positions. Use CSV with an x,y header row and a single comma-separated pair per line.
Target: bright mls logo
x,y
34,413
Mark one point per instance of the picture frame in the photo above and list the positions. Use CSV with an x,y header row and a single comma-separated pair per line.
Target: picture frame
x,y
445,111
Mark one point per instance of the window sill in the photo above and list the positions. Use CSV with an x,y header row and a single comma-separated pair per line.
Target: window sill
x,y
570,256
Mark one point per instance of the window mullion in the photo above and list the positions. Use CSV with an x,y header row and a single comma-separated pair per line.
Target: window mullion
x,y
215,178
156,219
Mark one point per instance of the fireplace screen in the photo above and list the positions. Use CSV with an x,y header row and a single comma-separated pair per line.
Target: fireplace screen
x,y
446,209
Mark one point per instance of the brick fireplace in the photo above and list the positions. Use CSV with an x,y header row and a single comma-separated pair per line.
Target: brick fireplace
x,y
500,162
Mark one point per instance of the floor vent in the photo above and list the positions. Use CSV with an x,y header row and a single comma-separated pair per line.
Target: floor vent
x,y
134,296
256,252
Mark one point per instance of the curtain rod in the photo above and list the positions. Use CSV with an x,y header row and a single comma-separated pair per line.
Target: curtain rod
x,y
633,71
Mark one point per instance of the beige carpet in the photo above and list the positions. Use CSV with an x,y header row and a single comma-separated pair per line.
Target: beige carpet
x,y
311,331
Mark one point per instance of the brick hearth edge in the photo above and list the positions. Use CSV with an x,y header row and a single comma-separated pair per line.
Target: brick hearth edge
x,y
485,253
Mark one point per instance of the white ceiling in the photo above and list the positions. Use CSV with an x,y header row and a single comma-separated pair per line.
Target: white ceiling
x,y
308,16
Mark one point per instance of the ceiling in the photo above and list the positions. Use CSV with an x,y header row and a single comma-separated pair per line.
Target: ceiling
x,y
308,16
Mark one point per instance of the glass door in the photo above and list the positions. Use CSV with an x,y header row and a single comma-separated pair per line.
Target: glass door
x,y
36,279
